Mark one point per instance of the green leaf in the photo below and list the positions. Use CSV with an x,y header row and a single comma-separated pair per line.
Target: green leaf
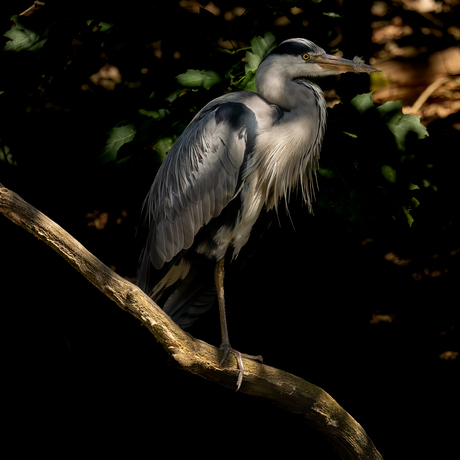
x,y
325,172
332,15
195,78
391,109
117,137
22,38
401,125
175,94
155,114
388,173
414,187
410,219
362,102
253,62
105,26
248,82
6,156
261,46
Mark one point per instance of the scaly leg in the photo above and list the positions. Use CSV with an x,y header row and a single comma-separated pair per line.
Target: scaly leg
x,y
219,275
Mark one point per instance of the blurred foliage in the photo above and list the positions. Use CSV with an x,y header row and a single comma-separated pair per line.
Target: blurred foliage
x,y
370,170
93,76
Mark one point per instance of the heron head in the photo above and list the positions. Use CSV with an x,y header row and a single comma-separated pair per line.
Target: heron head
x,y
299,58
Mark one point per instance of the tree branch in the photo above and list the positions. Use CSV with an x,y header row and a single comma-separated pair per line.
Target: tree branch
x,y
281,388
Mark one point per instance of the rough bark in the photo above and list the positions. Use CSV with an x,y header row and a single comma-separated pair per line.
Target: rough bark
x,y
281,388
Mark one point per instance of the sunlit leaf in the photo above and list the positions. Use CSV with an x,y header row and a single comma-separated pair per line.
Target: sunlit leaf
x,y
253,62
117,137
401,125
362,102
332,15
261,46
404,127
195,78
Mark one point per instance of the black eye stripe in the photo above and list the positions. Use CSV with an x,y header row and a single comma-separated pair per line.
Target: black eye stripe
x,y
298,47
292,48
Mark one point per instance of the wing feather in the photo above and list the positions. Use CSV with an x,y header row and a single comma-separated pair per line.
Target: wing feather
x,y
197,180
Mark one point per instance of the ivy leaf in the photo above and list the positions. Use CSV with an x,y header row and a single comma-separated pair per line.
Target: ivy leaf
x,y
117,137
260,47
248,82
400,124
195,78
362,102
253,62
405,128
22,38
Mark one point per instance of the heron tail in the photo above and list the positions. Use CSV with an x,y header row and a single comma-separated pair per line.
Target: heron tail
x,y
192,296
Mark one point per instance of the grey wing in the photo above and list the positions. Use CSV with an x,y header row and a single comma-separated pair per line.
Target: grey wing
x,y
198,178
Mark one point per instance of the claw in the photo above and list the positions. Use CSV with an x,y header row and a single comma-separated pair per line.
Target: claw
x,y
239,359
224,355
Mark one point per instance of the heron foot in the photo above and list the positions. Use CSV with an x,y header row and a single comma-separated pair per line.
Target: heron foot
x,y
226,349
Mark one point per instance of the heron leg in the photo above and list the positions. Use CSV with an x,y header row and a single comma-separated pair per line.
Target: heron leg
x,y
219,275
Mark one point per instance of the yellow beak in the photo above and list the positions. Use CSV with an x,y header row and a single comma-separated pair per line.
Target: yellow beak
x,y
329,62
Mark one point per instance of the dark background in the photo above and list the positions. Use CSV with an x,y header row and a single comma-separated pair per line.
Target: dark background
x,y
83,376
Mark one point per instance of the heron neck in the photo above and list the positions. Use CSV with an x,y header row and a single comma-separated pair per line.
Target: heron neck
x,y
288,149
278,87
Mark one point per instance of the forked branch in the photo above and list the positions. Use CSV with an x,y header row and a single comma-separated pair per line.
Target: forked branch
x,y
285,390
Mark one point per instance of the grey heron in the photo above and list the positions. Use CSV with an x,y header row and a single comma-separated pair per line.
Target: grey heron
x,y
241,154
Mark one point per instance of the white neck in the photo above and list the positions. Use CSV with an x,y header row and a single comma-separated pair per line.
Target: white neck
x,y
277,85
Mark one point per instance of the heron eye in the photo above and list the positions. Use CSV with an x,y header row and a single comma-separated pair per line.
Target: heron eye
x,y
305,57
